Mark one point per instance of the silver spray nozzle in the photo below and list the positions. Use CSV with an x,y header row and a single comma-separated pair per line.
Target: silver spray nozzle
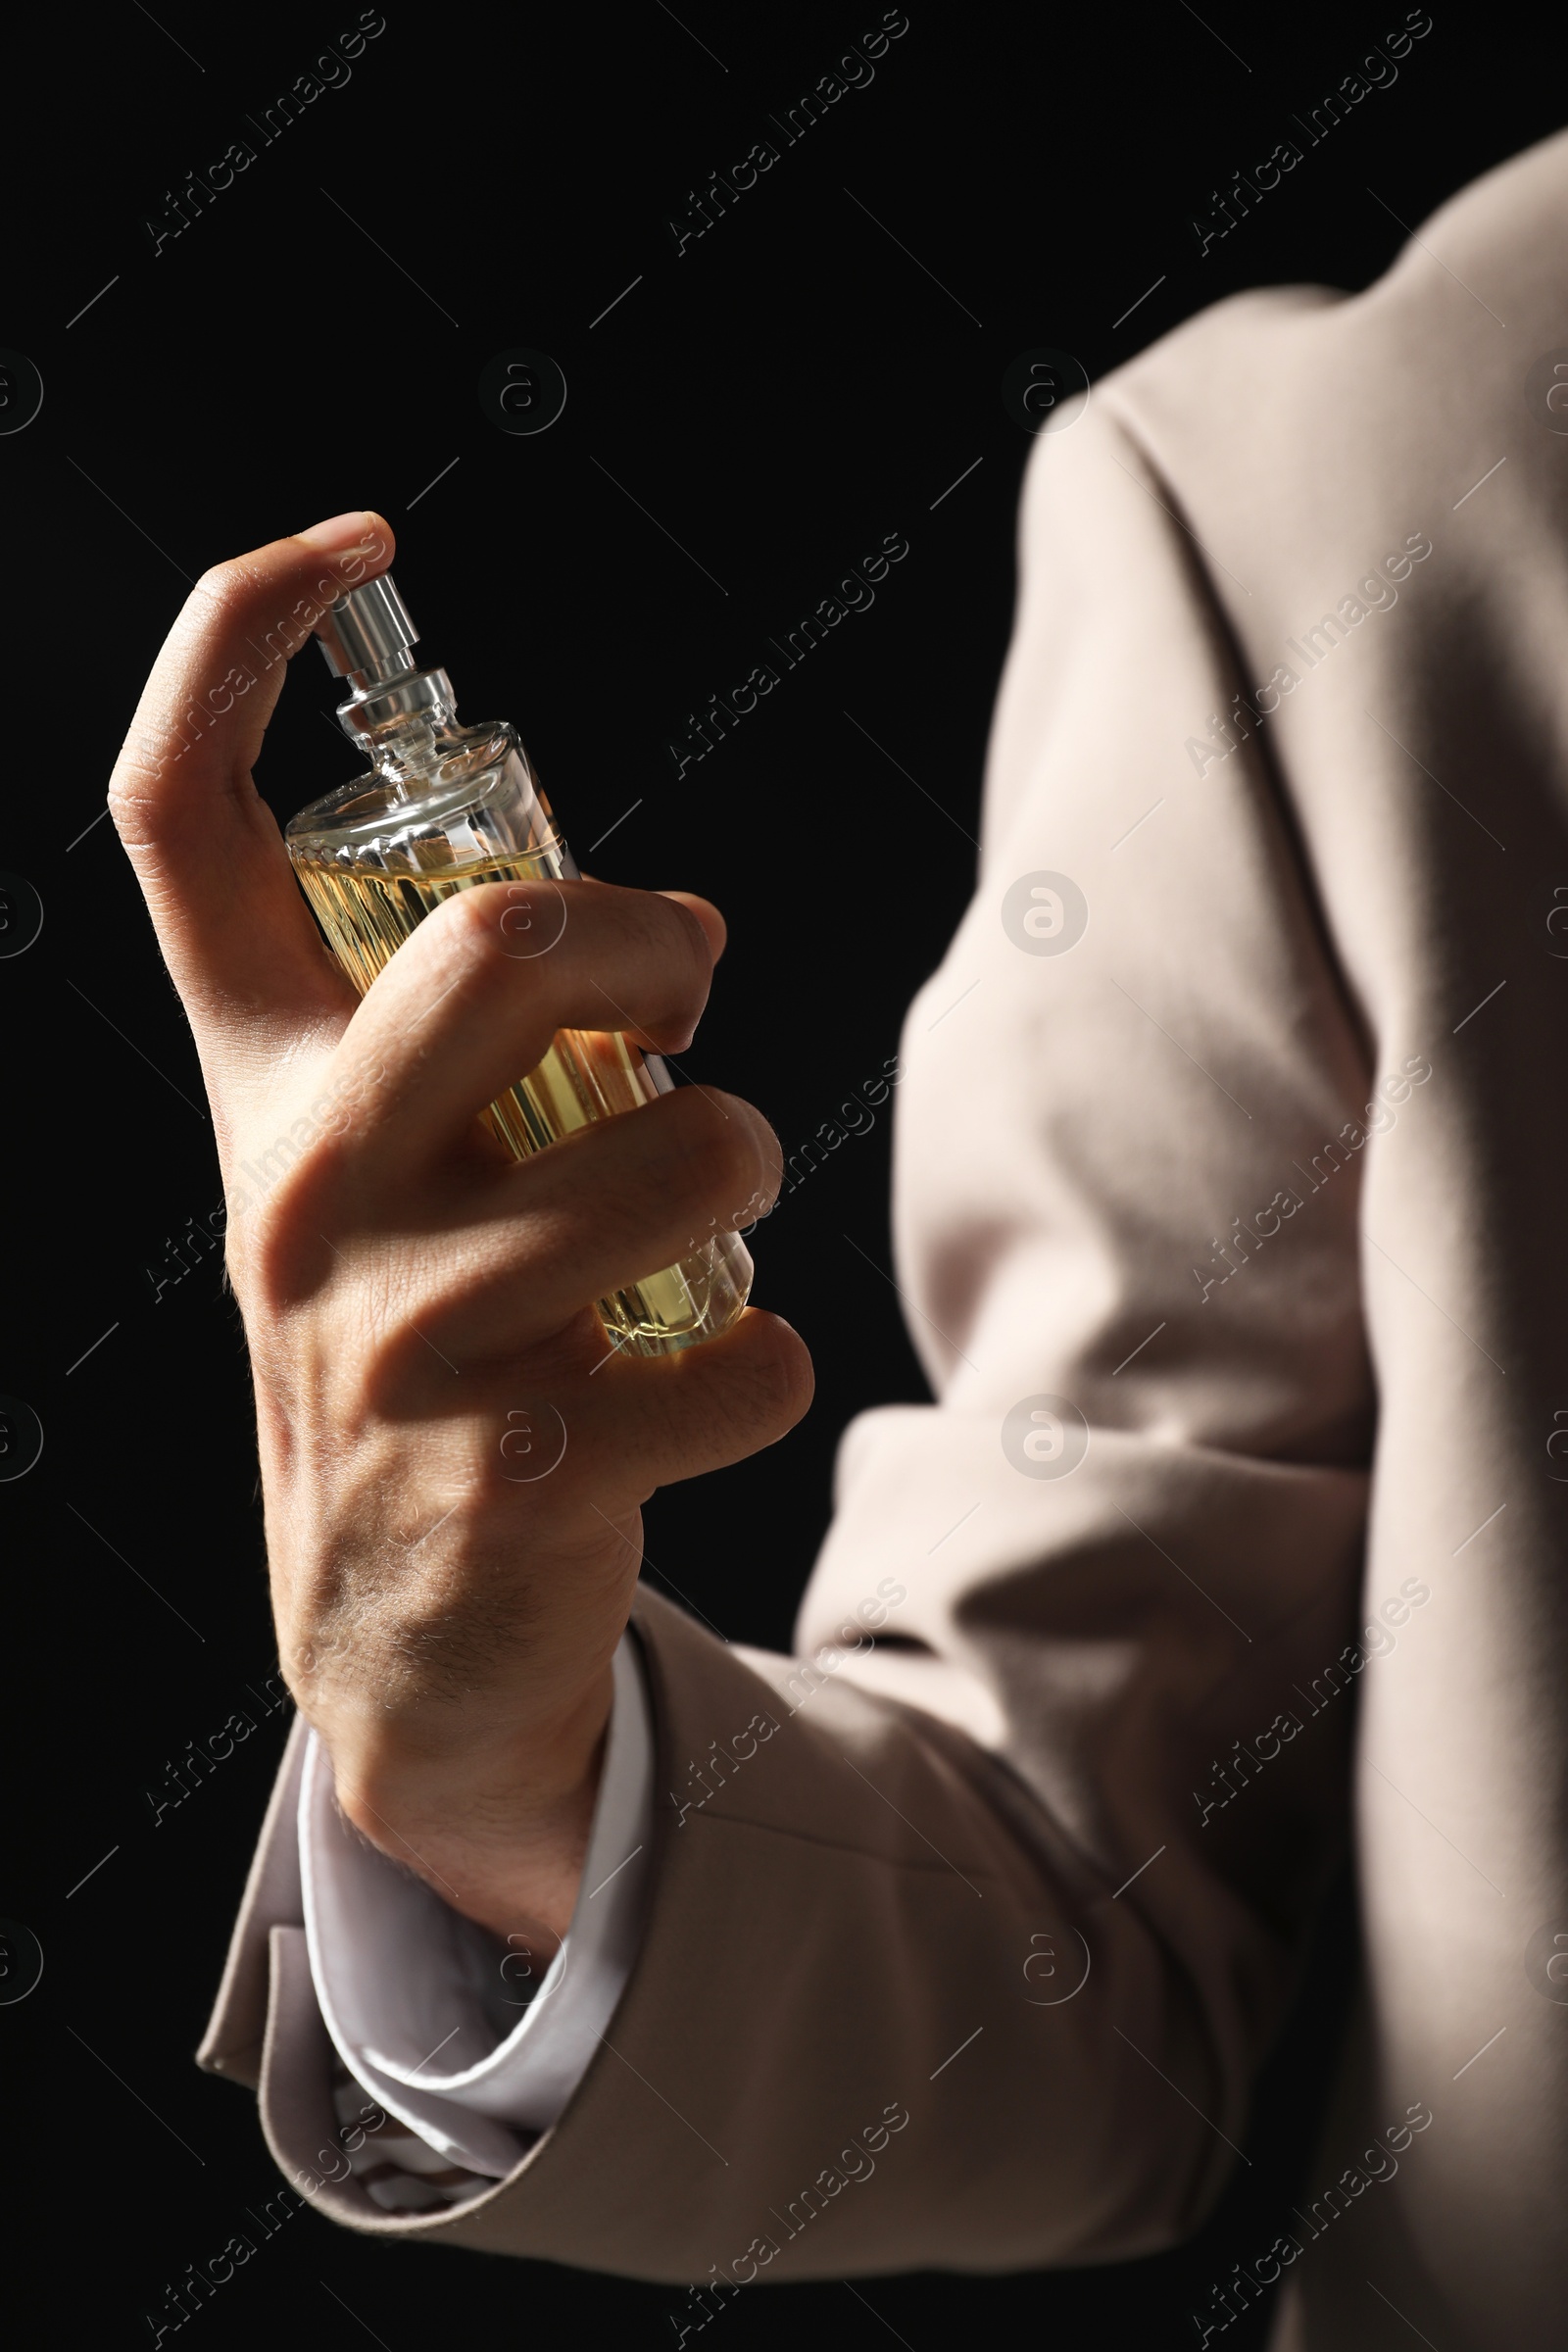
x,y
368,638
369,633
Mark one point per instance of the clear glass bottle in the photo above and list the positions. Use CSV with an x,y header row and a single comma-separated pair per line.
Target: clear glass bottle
x,y
444,808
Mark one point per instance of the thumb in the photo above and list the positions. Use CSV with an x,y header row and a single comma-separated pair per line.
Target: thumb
x,y
234,931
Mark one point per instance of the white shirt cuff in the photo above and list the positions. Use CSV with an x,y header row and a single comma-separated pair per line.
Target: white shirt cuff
x,y
463,2044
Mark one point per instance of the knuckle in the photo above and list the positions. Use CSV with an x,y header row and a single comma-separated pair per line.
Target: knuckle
x,y
469,916
518,919
756,1164
276,1256
138,796
269,1265
717,1145
682,934
771,1383
133,799
667,942
677,921
769,1160
217,597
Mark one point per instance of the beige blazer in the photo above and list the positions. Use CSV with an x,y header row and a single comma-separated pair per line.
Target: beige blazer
x,y
1228,1214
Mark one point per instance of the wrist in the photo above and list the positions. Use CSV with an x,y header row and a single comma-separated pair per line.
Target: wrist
x,y
498,1830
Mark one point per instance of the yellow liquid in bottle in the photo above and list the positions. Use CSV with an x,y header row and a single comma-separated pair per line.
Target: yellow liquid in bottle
x,y
587,1075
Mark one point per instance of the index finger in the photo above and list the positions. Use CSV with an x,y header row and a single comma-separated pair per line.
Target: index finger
x,y
235,933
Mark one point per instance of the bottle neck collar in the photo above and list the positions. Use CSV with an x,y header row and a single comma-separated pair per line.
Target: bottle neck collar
x,y
396,719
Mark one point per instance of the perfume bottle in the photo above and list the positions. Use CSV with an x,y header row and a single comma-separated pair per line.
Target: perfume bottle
x,y
442,807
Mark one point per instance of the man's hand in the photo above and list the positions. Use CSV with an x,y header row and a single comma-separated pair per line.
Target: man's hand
x,y
453,1458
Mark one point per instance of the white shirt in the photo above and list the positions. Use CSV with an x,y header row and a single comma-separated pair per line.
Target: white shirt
x,y
459,2038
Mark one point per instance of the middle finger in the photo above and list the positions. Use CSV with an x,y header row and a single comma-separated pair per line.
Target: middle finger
x,y
472,1001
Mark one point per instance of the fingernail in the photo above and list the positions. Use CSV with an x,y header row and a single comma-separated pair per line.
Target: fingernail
x,y
340,532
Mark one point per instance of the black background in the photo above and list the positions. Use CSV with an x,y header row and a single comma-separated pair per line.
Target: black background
x,y
790,388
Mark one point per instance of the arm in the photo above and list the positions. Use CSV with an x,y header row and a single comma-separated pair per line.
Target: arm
x,y
856,2036
408,1291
